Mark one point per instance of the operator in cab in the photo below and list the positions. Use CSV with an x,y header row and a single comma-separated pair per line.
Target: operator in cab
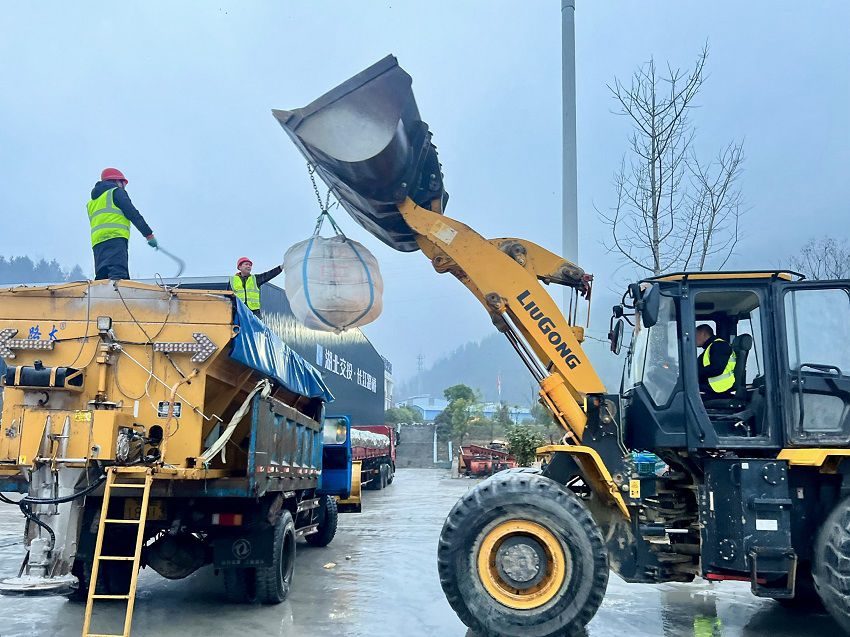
x,y
247,285
110,215
716,364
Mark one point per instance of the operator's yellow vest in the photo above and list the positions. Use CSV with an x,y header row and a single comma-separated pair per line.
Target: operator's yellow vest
x,y
249,292
106,219
724,381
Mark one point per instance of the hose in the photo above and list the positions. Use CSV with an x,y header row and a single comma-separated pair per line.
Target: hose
x,y
27,511
66,498
181,264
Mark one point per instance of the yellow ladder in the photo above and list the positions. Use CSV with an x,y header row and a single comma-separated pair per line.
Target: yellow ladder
x,y
116,479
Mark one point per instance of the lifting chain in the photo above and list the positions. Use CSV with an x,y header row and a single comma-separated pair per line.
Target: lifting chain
x,y
311,170
324,206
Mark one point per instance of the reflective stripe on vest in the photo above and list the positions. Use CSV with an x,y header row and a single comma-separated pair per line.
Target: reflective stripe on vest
x,y
106,219
724,381
248,292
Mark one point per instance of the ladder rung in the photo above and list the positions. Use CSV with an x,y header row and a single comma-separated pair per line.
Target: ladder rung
x,y
123,521
103,635
125,597
125,485
117,558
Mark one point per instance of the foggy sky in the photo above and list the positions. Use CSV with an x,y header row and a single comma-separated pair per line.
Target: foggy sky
x,y
178,96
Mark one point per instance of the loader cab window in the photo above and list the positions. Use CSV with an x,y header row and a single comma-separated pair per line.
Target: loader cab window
x,y
817,327
735,316
654,355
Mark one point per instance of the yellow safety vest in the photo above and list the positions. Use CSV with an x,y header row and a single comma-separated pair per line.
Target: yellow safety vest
x,y
248,292
106,219
724,381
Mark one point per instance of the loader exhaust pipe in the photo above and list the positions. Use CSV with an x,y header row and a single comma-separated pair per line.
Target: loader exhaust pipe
x,y
369,145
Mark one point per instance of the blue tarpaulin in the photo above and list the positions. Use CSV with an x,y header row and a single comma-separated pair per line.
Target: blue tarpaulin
x,y
259,348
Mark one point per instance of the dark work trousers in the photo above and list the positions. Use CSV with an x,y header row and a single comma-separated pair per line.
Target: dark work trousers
x,y
111,259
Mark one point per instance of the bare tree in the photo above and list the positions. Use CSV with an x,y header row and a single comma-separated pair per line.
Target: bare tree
x,y
671,210
823,258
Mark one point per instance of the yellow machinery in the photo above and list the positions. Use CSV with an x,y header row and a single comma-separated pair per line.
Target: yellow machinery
x,y
660,482
152,426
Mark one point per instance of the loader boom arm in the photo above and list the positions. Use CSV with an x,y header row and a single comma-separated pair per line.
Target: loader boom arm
x,y
505,275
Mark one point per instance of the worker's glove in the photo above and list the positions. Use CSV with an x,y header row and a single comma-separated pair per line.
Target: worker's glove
x,y
152,242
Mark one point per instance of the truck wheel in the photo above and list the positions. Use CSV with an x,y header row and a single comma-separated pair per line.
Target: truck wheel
x,y
520,555
374,483
239,585
328,516
273,582
384,476
390,474
831,569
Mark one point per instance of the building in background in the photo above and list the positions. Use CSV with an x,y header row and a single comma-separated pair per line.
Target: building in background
x,y
430,407
388,384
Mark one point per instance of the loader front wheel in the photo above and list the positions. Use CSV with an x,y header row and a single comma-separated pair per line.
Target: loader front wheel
x,y
520,556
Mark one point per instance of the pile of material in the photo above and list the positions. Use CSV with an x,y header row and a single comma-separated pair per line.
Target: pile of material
x,y
369,439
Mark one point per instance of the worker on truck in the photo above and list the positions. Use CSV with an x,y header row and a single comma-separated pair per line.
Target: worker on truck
x,y
247,285
110,214
716,364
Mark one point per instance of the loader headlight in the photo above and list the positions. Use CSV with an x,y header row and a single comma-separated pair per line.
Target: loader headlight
x,y
335,431
104,323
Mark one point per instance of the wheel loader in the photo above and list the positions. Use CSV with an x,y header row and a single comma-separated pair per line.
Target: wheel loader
x,y
749,487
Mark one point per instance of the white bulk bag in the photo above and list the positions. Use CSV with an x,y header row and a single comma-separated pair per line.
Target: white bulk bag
x,y
332,283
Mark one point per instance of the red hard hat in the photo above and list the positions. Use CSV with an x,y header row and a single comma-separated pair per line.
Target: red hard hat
x,y
243,260
112,174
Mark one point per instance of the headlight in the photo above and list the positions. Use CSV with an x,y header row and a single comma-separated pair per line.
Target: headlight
x,y
335,431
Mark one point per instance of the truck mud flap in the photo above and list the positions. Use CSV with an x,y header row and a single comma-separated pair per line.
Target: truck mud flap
x,y
352,503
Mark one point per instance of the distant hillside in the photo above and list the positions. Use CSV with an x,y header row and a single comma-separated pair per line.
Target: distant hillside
x,y
24,270
478,364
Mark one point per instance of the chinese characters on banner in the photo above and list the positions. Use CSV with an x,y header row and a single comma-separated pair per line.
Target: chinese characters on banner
x,y
338,365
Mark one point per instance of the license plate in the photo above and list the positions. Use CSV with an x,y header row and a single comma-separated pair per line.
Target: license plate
x,y
133,509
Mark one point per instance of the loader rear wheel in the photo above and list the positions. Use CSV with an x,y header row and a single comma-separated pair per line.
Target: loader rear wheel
x,y
831,569
520,555
273,582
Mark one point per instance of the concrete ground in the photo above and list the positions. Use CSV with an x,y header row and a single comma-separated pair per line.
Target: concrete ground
x,y
384,582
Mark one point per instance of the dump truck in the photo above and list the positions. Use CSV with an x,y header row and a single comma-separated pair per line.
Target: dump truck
x,y
373,448
147,425
754,485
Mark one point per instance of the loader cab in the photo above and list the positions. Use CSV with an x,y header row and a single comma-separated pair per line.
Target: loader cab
x,y
791,341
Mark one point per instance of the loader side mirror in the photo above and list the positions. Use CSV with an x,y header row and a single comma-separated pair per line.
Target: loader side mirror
x,y
615,336
650,304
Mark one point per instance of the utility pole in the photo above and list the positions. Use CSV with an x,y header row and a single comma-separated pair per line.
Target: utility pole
x,y
568,106
419,368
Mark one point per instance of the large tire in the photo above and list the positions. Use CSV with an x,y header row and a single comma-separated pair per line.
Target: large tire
x,y
328,517
390,474
273,582
831,569
520,556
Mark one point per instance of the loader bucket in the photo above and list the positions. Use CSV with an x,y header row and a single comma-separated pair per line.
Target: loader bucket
x,y
369,145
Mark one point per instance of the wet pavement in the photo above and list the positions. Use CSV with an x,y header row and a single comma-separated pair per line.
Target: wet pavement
x,y
384,582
